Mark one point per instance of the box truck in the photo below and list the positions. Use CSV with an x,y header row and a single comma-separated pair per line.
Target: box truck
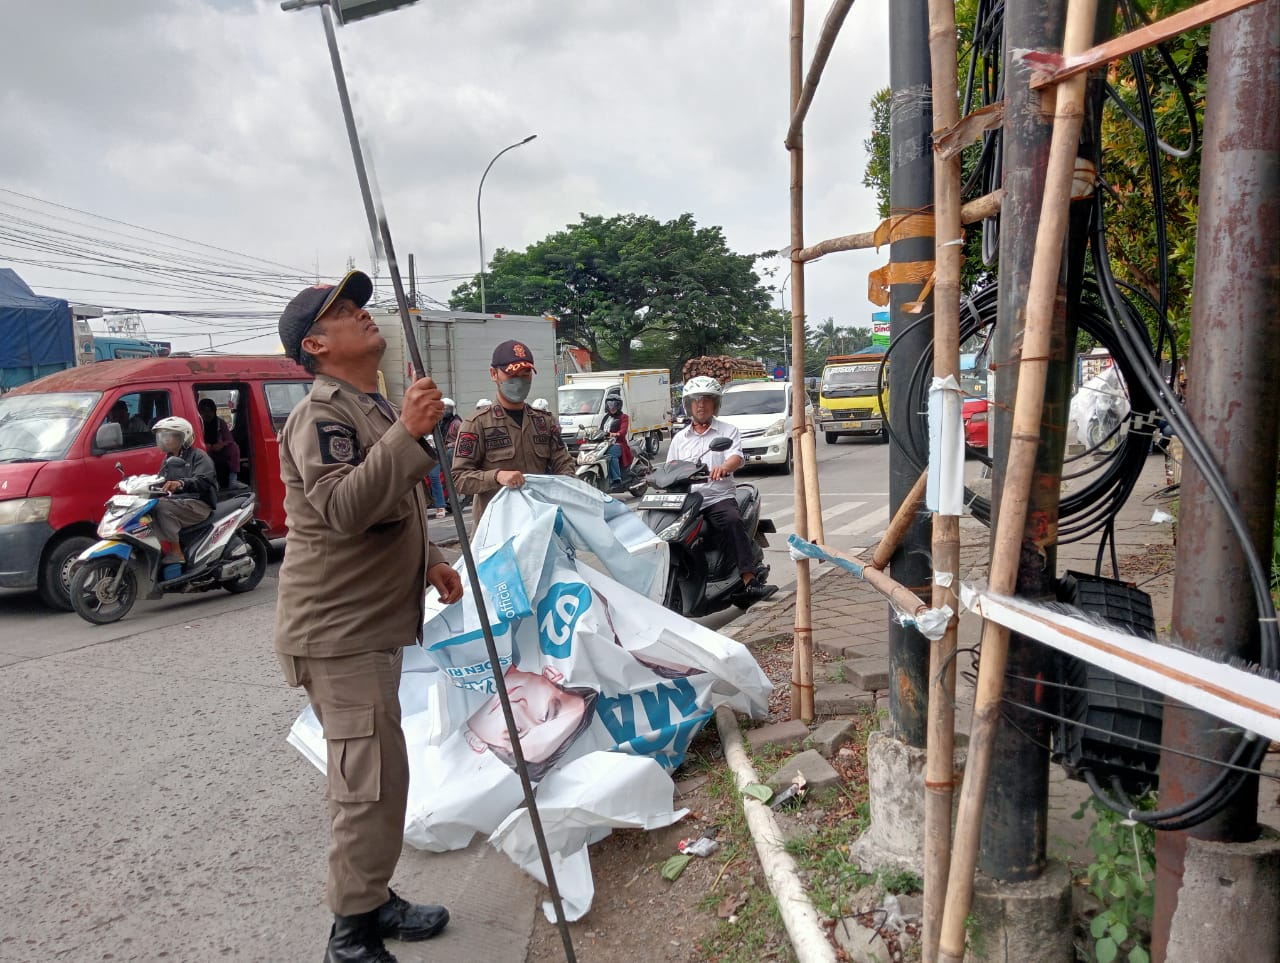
x,y
456,348
646,399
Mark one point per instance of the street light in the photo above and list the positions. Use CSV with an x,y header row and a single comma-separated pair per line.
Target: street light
x,y
479,223
782,305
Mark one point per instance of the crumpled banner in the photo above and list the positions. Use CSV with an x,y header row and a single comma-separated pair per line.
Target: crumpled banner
x,y
607,686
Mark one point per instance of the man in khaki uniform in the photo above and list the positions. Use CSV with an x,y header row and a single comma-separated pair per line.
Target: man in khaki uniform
x,y
351,596
498,445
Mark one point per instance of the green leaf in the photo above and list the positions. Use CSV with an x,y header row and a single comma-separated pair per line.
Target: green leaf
x,y
1119,889
1106,950
674,866
1119,932
1098,926
1139,955
757,791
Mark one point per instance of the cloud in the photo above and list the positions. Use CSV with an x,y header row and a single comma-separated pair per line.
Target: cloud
x,y
219,122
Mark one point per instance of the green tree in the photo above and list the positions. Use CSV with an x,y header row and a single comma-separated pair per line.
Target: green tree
x,y
617,281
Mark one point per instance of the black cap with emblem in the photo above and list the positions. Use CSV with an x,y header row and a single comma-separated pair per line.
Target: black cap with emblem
x,y
513,357
308,305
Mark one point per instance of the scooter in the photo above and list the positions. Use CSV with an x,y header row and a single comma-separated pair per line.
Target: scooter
x,y
593,464
227,550
703,575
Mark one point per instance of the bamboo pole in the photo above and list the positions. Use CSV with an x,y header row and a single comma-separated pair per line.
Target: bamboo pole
x,y
901,523
802,650
939,772
813,496
980,208
903,598
826,39
1025,438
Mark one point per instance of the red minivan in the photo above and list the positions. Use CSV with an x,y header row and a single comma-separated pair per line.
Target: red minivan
x,y
58,468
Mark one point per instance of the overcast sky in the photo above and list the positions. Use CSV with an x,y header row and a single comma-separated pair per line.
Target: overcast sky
x,y
218,121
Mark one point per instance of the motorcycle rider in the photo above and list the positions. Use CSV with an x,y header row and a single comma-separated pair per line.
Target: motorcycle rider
x,y
616,424
191,498
719,505
449,428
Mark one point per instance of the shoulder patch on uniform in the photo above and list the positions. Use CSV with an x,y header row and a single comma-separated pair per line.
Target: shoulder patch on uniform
x,y
337,443
496,438
465,446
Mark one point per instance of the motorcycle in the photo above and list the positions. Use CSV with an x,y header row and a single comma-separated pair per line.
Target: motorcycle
x,y
702,576
593,464
227,550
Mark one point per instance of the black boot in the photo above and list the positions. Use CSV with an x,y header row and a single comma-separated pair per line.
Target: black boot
x,y
357,939
398,919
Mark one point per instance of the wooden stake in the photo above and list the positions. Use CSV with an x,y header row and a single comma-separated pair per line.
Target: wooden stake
x,y
1025,438
939,771
802,652
901,523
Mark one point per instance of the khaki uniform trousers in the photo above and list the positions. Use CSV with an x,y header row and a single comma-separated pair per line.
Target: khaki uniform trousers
x,y
357,700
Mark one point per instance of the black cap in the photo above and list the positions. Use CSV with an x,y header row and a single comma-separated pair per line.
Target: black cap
x,y
308,305
511,354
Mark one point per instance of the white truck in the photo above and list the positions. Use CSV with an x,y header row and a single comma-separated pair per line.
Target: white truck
x,y
456,348
646,399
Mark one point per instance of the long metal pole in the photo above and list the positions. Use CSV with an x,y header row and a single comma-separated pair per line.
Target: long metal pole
x,y
479,223
382,235
1234,398
910,192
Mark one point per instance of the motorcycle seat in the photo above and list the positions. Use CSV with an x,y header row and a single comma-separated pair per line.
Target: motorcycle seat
x,y
744,496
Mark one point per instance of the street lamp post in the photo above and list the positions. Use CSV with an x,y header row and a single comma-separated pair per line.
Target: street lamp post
x,y
782,305
479,221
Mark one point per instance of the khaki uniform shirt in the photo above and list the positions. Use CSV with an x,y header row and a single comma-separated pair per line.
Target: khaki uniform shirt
x,y
354,573
491,441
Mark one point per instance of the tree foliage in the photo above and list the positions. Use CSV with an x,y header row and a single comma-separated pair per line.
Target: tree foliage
x,y
628,284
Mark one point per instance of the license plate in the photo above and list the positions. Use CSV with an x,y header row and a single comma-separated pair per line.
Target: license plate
x,y
662,501
851,425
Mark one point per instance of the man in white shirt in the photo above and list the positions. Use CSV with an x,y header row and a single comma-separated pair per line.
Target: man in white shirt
x,y
719,506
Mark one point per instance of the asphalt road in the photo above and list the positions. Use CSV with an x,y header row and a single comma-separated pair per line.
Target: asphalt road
x,y
151,808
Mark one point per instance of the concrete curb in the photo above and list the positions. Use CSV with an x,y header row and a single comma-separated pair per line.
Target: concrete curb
x,y
798,914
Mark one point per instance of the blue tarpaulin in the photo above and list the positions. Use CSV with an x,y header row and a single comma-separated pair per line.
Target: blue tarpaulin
x,y
36,336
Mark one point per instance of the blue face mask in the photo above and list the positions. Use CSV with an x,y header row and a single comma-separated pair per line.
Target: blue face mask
x,y
516,389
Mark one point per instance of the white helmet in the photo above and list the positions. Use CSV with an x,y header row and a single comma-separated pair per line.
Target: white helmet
x,y
448,402
179,425
703,387
541,404
483,403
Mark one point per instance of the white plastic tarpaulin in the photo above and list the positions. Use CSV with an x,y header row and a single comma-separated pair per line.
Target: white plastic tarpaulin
x,y
607,686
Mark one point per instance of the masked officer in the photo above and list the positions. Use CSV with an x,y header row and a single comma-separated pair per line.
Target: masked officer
x,y
498,445
351,596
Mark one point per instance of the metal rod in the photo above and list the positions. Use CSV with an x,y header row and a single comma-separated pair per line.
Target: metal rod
x,y
382,234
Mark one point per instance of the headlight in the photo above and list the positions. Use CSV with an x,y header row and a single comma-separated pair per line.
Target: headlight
x,y
824,413
19,511
777,428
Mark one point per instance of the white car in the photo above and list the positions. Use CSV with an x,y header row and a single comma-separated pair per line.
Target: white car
x,y
761,411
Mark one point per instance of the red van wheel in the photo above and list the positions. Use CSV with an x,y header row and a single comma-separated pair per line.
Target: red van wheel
x,y
55,571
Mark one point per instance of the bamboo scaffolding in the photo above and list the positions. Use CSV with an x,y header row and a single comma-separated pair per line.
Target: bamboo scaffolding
x,y
901,523
980,208
939,773
903,599
1025,438
1056,69
800,104
806,477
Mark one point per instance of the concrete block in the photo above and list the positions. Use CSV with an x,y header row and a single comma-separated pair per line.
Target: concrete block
x,y
870,674
693,783
840,699
1229,905
1016,922
780,734
830,736
817,773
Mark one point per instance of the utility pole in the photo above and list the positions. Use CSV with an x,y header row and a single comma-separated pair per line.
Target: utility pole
x,y
1014,831
413,283
1233,397
910,259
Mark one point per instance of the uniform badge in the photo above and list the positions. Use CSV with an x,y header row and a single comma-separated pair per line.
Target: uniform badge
x,y
337,443
465,447
495,438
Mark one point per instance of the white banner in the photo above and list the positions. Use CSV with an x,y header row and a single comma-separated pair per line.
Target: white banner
x,y
607,686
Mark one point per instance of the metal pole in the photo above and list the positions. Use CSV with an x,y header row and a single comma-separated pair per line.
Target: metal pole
x,y
1234,398
382,234
479,223
910,191
1015,825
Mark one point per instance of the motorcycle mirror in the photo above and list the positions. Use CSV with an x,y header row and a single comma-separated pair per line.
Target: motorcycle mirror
x,y
721,444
